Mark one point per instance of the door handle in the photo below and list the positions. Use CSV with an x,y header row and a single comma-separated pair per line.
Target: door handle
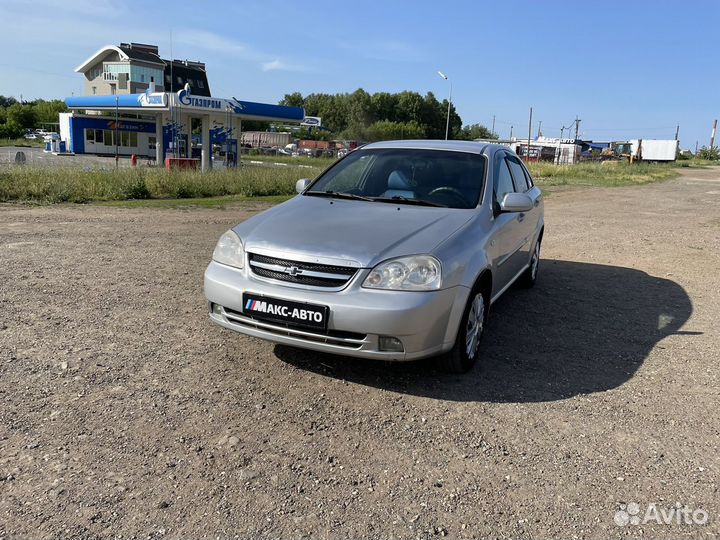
x,y
521,216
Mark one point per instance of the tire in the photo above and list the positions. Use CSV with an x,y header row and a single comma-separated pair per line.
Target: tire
x,y
529,277
464,354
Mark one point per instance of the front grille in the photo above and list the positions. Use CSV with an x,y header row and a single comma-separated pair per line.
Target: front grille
x,y
315,275
351,340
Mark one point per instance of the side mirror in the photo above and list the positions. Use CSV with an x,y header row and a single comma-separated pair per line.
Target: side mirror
x,y
516,202
302,184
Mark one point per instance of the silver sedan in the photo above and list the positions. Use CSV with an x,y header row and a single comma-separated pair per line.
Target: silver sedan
x,y
396,252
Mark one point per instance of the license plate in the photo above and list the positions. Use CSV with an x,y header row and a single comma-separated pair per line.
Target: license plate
x,y
287,311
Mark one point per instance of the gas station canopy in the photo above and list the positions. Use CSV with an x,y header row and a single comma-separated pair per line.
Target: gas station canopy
x,y
187,103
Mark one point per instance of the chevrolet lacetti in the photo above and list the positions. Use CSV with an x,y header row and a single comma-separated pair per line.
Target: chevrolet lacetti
x,y
396,252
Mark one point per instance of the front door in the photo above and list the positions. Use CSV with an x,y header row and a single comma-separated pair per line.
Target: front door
x,y
508,238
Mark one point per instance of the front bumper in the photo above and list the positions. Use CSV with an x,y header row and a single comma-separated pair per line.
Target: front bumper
x,y
425,322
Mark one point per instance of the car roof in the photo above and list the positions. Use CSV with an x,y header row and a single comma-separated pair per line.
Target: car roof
x,y
436,144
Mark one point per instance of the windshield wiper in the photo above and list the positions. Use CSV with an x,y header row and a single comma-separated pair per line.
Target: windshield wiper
x,y
338,195
405,200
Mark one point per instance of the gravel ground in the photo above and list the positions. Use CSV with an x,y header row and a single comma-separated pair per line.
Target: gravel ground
x,y
37,157
126,413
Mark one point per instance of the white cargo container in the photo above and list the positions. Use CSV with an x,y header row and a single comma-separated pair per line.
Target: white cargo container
x,y
265,139
654,149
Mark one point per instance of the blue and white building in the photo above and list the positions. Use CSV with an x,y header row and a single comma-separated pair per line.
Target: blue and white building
x,y
156,123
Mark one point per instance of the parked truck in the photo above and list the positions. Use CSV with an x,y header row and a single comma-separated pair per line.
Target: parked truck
x,y
642,150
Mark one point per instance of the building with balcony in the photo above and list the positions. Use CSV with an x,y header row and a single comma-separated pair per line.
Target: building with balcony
x,y
129,68
137,103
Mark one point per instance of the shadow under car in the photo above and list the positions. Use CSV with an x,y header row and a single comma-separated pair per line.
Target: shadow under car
x,y
583,328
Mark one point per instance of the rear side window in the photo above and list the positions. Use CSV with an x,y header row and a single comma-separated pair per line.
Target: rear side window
x,y
503,181
521,182
528,176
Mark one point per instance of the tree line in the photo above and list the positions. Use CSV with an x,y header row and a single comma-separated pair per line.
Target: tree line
x,y
352,116
384,116
17,117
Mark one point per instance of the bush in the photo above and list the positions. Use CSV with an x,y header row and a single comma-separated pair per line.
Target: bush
x,y
136,188
386,130
11,130
710,154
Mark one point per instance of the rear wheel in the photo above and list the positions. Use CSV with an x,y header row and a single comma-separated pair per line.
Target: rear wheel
x,y
529,277
464,354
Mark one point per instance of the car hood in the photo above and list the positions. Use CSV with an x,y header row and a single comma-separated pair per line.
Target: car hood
x,y
347,232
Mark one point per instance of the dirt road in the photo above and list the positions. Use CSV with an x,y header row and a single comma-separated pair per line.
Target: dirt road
x,y
124,413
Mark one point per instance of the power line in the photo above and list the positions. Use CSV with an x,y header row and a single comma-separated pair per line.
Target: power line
x,y
633,129
42,72
498,121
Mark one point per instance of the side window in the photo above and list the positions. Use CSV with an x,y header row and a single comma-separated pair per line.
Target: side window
x,y
503,181
521,183
528,177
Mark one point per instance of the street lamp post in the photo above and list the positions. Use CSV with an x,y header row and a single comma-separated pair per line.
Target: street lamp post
x,y
447,123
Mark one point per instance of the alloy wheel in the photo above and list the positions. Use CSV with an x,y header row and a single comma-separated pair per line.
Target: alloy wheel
x,y
475,322
535,262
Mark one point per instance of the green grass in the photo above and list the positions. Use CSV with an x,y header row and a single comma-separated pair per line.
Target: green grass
x,y
696,163
607,174
157,187
206,202
56,185
23,142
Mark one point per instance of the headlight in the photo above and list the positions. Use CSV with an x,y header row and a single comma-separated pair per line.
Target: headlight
x,y
229,250
416,273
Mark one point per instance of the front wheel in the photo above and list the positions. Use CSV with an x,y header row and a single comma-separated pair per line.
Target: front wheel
x,y
464,354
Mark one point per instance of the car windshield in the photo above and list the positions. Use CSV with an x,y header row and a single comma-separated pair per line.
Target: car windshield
x,y
406,176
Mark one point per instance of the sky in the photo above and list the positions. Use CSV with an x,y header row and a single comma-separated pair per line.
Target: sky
x,y
626,69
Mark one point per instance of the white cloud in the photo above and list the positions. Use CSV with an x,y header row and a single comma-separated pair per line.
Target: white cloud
x,y
211,41
279,65
84,8
397,51
222,45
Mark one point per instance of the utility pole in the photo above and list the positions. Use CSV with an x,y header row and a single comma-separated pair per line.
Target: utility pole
x,y
493,128
712,135
677,132
577,127
529,134
559,147
511,132
539,129
696,143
